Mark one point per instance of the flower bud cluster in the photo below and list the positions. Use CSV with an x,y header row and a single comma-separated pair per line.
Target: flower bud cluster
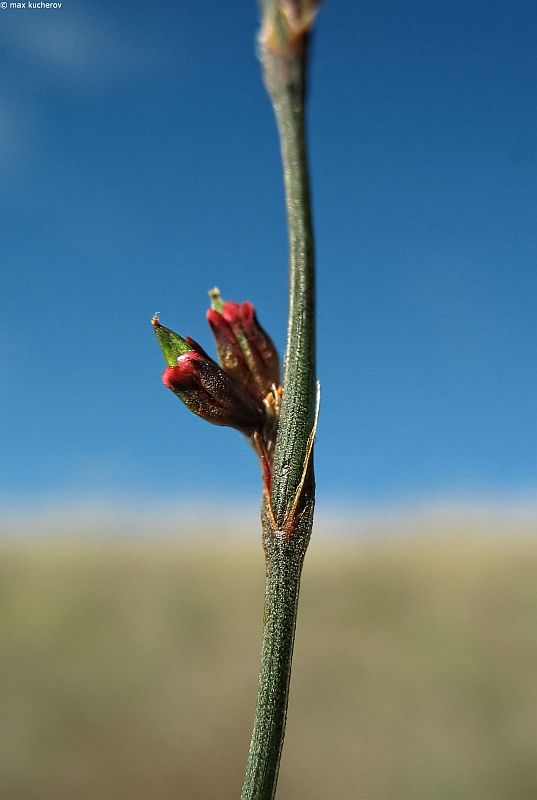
x,y
244,391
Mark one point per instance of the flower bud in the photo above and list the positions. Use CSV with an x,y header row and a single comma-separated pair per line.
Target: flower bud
x,y
244,349
211,393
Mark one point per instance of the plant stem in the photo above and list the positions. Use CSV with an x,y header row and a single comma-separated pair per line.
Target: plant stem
x,y
287,516
298,406
284,566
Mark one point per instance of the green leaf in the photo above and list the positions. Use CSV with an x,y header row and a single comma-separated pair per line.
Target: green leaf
x,y
171,344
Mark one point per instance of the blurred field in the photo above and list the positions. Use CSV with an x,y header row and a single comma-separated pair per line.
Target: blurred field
x,y
129,669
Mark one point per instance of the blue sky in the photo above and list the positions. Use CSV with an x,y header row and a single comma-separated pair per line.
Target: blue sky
x,y
139,167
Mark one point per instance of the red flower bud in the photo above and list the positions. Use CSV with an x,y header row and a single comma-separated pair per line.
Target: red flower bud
x,y
244,349
262,343
229,352
212,393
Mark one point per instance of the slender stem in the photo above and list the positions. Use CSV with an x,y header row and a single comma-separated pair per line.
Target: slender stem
x,y
284,564
287,516
298,406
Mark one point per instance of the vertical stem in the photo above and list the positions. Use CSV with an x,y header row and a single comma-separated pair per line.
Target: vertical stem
x,y
287,516
284,565
298,407
284,559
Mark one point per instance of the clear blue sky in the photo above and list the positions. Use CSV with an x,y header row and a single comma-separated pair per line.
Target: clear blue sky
x,y
139,167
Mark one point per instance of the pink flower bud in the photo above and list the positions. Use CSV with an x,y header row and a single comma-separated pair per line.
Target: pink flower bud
x,y
229,351
262,343
244,349
211,393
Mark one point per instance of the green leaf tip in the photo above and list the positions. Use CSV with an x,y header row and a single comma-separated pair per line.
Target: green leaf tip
x,y
216,301
171,344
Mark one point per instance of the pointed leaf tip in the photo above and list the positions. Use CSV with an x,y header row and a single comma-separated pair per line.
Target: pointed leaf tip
x,y
171,344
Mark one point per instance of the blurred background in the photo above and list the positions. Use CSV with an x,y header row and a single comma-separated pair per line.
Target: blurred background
x,y
139,167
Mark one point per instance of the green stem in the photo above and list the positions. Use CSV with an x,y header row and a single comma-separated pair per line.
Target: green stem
x,y
288,522
298,406
284,559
